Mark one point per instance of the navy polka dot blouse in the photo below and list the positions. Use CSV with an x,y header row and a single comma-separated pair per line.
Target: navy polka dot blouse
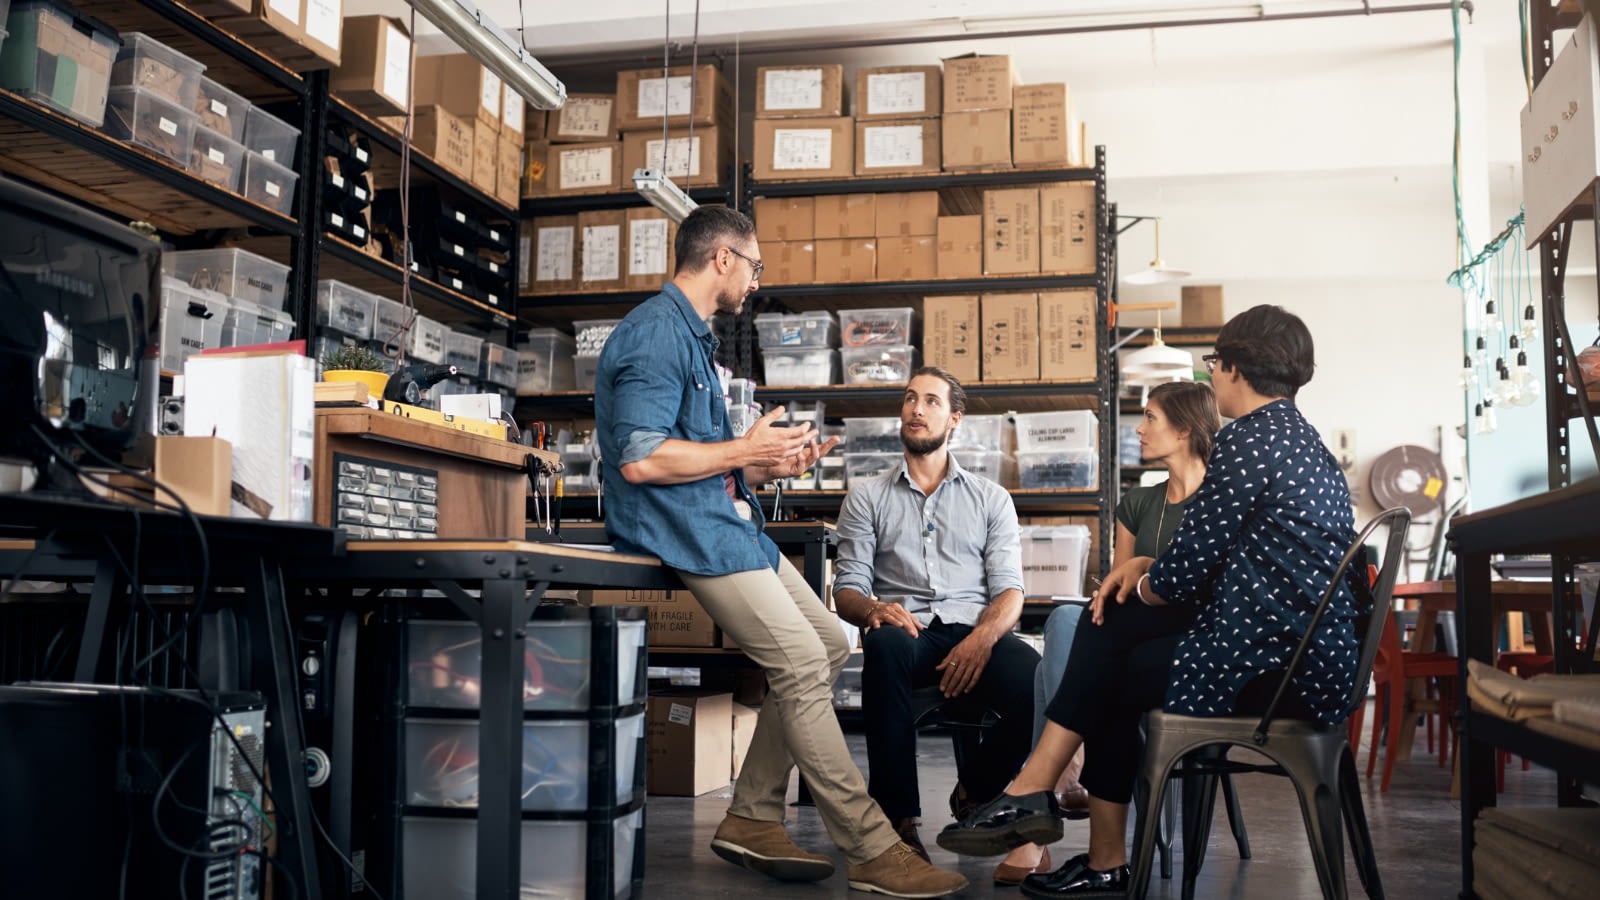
x,y
1259,542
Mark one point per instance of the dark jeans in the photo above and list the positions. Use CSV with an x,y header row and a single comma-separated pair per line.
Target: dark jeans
x,y
894,664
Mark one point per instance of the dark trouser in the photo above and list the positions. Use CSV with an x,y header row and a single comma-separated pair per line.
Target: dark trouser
x,y
1115,674
894,664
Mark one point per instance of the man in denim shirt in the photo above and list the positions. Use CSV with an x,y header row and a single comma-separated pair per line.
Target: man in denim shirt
x,y
678,486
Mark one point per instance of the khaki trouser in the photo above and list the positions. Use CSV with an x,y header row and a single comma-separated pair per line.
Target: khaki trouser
x,y
781,625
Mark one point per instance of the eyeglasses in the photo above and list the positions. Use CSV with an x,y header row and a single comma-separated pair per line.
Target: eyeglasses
x,y
756,265
1211,360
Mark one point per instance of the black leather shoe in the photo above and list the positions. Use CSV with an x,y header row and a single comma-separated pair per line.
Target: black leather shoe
x,y
1004,823
1076,879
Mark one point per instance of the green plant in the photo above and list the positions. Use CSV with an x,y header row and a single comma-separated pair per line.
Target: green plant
x,y
354,357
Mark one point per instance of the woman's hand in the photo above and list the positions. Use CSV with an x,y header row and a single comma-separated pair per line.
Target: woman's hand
x,y
1118,584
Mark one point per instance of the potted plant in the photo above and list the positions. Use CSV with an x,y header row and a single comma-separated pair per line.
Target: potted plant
x,y
356,363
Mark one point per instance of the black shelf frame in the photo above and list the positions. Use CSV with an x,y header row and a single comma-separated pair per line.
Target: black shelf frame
x,y
569,205
1007,178
893,393
420,286
992,284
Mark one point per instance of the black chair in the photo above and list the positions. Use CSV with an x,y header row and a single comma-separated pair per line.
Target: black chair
x,y
1315,757
964,718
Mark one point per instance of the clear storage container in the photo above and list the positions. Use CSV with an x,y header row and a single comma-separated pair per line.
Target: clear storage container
x,y
874,327
801,367
498,364
151,121
388,317
191,321
988,463
270,137
442,763
584,367
1054,558
445,661
859,466
249,323
886,364
345,309
815,328
216,158
463,351
221,109
872,434
1066,430
236,273
980,433
146,63
1066,470
427,340
268,183
441,857
589,335
543,362
59,59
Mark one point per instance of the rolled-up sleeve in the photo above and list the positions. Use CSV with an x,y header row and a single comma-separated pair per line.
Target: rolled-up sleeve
x,y
649,371
1002,552
858,542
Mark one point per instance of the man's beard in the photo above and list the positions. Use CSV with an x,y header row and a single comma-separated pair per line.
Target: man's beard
x,y
731,302
922,446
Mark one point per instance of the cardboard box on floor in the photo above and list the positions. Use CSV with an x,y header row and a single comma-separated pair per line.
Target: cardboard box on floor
x,y
951,337
899,92
676,619
690,739
1010,337
785,219
744,727
798,92
1067,335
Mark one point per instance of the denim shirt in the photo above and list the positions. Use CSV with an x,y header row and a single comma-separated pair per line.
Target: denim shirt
x,y
656,381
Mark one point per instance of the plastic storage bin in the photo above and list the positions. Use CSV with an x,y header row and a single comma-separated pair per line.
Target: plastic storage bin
x,y
980,433
584,367
146,63
543,362
1053,560
859,466
58,59
427,340
347,310
801,367
220,109
442,763
236,273
988,463
1069,470
216,158
191,321
872,434
268,183
498,364
151,121
445,661
270,137
874,327
878,364
816,328
589,335
1066,430
440,856
388,317
463,351
249,323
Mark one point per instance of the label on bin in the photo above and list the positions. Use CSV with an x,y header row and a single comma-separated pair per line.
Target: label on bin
x,y
220,108
167,125
272,189
680,714
216,155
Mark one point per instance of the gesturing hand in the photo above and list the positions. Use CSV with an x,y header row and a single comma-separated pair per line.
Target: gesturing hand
x,y
804,460
770,445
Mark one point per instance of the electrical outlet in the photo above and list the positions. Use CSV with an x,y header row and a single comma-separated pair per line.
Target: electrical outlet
x,y
1342,441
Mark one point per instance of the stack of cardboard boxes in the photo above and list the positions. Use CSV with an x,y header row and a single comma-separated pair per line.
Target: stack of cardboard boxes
x,y
302,34
470,122
596,251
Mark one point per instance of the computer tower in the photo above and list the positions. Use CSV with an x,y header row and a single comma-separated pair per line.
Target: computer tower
x,y
125,791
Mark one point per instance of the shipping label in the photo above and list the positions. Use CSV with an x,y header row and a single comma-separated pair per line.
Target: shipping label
x,y
585,168
900,93
893,146
802,149
602,252
554,254
794,89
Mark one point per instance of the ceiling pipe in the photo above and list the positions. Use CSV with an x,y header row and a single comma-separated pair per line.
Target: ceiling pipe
x,y
776,46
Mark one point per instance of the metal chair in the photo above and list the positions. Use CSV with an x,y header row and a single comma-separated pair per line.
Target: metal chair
x,y
1314,756
964,718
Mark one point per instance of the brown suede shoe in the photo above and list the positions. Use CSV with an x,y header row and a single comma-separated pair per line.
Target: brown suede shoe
x,y
907,829
765,847
900,872
1074,801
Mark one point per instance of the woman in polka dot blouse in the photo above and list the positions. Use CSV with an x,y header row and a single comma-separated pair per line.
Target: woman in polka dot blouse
x,y
1207,628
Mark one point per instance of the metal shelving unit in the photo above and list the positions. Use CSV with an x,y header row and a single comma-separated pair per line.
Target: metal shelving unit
x,y
568,205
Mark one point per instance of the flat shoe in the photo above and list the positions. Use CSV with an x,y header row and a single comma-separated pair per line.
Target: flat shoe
x,y
1076,880
1007,875
1004,823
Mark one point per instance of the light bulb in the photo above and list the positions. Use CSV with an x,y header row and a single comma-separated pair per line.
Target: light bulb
x,y
1480,424
1469,374
1491,421
1529,388
1492,326
1506,392
1480,353
1530,324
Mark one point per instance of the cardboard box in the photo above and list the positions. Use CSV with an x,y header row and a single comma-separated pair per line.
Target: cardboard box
x,y
789,262
797,149
485,143
976,81
907,214
460,85
554,245
1202,306
446,138
785,219
951,337
584,168
846,260
650,237
744,728
323,22
914,258
536,168
899,92
273,26
584,118
960,246
1067,233
690,160
676,619
534,121
690,738
799,92
1067,335
513,114
508,169
1011,231
644,98
374,71
197,469
1010,337
1043,130
602,249
897,147
977,140
845,216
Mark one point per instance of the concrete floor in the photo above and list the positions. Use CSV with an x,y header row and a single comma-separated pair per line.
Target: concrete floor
x,y
1415,827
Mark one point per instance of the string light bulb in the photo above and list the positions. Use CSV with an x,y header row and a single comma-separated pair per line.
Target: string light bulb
x,y
1468,379
1492,326
1530,324
1480,353
1491,420
1505,391
1529,390
1480,424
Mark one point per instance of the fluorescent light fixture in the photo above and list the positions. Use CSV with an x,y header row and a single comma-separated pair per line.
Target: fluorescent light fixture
x,y
655,186
477,34
1159,272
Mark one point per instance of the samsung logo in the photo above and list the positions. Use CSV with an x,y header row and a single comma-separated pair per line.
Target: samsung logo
x,y
66,283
